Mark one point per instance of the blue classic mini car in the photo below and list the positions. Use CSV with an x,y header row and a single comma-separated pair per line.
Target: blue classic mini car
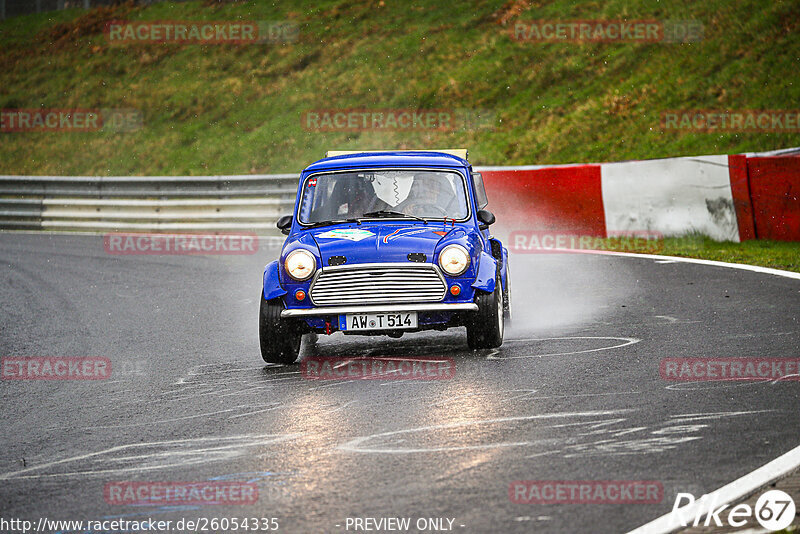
x,y
386,243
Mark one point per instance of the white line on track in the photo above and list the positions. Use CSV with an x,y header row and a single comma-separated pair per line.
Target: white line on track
x,y
172,458
679,259
354,445
733,492
626,341
161,421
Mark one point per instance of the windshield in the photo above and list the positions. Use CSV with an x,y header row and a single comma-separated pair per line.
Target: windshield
x,y
376,194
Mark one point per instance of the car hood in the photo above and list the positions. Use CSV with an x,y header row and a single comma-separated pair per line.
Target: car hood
x,y
373,243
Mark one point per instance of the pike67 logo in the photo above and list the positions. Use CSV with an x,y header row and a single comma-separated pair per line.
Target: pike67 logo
x,y
774,510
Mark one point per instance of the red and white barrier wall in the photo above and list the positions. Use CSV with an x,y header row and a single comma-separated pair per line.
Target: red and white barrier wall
x,y
725,197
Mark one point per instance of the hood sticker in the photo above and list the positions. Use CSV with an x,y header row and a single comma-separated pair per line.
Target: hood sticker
x,y
405,231
352,234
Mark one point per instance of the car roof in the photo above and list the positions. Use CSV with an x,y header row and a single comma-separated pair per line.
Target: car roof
x,y
388,159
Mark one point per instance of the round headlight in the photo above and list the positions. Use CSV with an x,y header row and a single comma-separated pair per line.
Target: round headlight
x,y
454,260
300,264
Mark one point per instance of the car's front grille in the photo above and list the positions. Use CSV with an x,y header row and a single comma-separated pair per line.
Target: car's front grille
x,y
377,283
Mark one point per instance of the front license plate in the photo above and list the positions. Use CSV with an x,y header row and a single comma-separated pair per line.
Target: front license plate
x,y
377,321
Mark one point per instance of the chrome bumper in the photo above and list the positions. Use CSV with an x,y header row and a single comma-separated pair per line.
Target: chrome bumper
x,y
383,308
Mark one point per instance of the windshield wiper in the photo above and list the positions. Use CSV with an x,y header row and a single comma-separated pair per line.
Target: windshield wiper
x,y
388,213
338,221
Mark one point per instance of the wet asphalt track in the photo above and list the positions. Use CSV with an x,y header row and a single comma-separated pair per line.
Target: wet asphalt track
x,y
573,394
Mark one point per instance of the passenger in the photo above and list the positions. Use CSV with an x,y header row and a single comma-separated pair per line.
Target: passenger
x,y
361,197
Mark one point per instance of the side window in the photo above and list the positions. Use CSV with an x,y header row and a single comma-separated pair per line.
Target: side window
x,y
480,191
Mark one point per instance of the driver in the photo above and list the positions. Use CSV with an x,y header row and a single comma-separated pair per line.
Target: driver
x,y
430,195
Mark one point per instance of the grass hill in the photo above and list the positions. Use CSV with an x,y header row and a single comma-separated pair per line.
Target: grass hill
x,y
220,109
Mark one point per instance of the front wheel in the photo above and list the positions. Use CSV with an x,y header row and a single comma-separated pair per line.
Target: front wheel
x,y
279,338
485,329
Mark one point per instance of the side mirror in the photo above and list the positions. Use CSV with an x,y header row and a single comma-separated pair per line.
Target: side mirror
x,y
285,224
485,217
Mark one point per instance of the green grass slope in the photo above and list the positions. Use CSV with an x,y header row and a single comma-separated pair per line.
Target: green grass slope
x,y
217,109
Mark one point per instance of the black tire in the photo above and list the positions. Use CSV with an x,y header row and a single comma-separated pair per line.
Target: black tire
x,y
485,329
279,339
507,299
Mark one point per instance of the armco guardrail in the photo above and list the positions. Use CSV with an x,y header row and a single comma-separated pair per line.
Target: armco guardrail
x,y
734,197
153,203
